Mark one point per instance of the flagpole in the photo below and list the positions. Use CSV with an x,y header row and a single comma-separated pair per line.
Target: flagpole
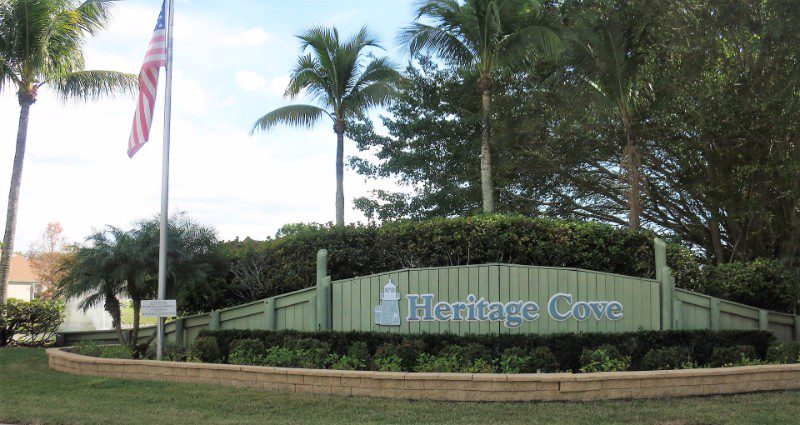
x,y
162,246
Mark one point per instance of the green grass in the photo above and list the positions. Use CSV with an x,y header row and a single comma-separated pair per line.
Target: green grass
x,y
31,393
126,315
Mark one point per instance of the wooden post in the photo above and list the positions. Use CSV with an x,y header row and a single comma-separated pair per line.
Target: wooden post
x,y
715,313
763,320
179,338
323,297
797,328
269,314
664,277
213,321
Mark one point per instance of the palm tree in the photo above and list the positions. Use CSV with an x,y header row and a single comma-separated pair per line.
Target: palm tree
x,y
608,56
344,80
118,262
483,36
41,44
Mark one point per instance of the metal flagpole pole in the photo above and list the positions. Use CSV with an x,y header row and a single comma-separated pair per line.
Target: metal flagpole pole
x,y
162,246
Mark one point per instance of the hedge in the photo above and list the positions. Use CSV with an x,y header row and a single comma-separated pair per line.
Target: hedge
x,y
567,347
287,263
760,283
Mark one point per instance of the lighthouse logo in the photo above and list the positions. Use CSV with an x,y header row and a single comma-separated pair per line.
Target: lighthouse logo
x,y
388,313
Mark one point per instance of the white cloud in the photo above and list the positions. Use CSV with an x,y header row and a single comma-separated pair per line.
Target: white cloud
x,y
254,37
254,82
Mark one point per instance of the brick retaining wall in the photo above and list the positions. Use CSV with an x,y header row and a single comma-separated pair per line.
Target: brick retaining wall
x,y
445,386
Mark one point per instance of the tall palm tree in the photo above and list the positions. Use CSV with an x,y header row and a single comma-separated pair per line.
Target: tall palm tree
x,y
483,36
608,56
41,43
343,79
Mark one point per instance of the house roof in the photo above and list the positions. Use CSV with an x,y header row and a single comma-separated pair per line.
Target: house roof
x,y
21,270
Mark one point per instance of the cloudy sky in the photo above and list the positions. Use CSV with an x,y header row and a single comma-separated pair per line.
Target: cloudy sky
x,y
231,67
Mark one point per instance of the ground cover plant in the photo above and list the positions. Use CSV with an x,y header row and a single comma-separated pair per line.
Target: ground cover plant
x,y
30,323
585,352
38,395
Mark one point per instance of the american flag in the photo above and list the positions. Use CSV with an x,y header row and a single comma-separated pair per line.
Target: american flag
x,y
155,58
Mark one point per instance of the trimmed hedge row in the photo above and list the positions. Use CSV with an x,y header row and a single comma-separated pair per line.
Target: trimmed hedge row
x,y
566,347
267,268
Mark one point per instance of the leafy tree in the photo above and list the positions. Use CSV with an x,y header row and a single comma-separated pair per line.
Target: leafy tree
x,y
117,263
46,256
483,36
41,44
610,51
344,79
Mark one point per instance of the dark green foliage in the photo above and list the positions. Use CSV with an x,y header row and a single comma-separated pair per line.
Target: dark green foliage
x,y
784,352
95,349
542,360
605,358
761,283
289,262
172,352
247,352
732,356
566,348
667,358
404,352
33,323
205,349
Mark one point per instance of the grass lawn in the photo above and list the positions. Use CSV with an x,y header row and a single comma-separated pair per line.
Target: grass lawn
x,y
31,393
127,317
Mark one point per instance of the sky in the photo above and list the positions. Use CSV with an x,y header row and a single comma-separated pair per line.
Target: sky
x,y
232,64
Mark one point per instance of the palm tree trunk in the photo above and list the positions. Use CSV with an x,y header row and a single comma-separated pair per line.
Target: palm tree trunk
x,y
113,309
339,127
25,102
633,165
137,308
487,186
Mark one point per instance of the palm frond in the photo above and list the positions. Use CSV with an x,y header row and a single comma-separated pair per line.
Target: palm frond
x,y
373,95
437,41
294,115
90,85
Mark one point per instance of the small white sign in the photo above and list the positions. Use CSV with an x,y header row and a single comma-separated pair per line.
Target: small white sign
x,y
159,308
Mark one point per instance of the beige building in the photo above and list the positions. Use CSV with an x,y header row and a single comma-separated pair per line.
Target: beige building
x,y
22,281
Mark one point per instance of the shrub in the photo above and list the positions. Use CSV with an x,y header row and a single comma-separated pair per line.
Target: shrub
x,y
95,349
172,352
35,322
604,359
360,352
732,356
247,352
514,360
761,283
667,358
205,349
288,263
279,357
407,351
784,352
346,363
391,363
441,363
543,360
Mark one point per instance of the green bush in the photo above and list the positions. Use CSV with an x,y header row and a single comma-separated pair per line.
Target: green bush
x,y
543,360
288,263
604,359
407,351
205,349
279,357
761,283
172,352
391,363
667,358
33,323
784,353
247,352
346,363
566,347
95,349
732,356
518,360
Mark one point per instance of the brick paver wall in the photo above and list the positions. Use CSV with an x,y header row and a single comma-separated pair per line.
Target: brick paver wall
x,y
445,386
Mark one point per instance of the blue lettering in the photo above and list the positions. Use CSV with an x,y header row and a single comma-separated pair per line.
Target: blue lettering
x,y
614,310
442,311
426,306
552,306
530,311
